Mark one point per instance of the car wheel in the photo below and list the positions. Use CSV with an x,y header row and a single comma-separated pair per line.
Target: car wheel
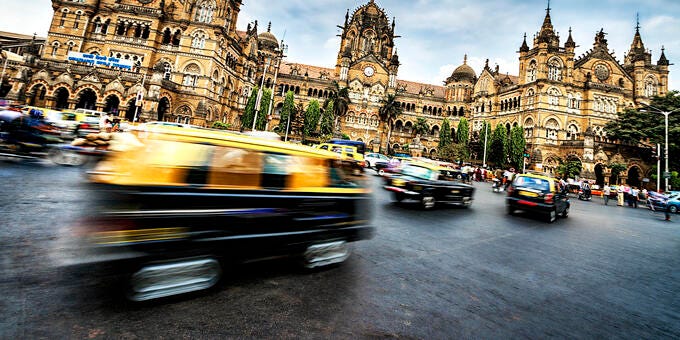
x,y
552,216
428,201
511,210
368,164
673,209
565,213
398,196
381,172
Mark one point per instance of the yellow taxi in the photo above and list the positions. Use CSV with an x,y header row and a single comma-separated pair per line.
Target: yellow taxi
x,y
538,193
184,201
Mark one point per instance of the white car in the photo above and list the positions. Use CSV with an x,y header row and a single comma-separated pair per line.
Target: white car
x,y
372,159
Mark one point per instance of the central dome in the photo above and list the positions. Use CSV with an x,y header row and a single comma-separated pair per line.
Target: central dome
x,y
464,72
267,39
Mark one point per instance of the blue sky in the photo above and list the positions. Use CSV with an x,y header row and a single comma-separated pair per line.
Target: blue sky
x,y
437,33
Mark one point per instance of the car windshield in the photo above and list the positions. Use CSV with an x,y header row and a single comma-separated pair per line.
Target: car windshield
x,y
533,183
419,172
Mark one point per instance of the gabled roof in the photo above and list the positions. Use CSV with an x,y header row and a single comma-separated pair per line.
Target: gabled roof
x,y
415,88
314,72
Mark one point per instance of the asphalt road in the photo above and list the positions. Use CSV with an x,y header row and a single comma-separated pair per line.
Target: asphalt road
x,y
604,272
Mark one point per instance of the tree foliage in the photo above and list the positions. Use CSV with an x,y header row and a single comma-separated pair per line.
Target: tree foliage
x,y
517,147
264,110
221,126
389,111
249,112
634,126
341,103
445,138
451,152
288,110
569,169
312,115
499,146
327,118
616,169
421,127
464,139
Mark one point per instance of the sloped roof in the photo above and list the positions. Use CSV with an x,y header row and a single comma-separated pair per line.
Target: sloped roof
x,y
314,72
412,87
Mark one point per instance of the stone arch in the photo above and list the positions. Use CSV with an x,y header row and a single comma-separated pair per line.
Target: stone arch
x,y
37,93
87,98
433,153
112,103
61,96
634,174
550,163
599,171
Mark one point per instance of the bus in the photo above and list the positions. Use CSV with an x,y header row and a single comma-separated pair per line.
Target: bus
x,y
361,146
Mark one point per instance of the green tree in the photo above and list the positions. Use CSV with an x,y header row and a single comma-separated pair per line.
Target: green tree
x,y
389,111
464,138
262,112
451,152
616,169
421,127
288,110
517,147
634,126
221,126
569,169
445,134
312,115
341,103
327,119
499,146
249,112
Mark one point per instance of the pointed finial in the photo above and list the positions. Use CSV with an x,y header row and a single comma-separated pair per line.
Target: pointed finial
x,y
637,22
269,27
465,59
548,9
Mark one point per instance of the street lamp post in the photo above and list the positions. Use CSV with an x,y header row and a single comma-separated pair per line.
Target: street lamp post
x,y
665,152
276,73
486,136
259,93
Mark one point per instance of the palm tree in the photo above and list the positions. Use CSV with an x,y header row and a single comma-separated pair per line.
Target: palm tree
x,y
340,103
389,111
421,127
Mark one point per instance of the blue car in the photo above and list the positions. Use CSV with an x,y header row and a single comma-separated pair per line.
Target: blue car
x,y
673,203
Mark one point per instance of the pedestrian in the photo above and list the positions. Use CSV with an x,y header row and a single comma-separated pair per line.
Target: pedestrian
x,y
619,196
634,192
606,191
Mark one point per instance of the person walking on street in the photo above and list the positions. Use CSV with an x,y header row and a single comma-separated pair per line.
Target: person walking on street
x,y
634,193
606,191
619,196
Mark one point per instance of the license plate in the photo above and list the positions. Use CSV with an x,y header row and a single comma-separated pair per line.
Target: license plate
x,y
528,194
455,191
398,183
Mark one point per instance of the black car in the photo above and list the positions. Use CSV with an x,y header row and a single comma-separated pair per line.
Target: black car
x,y
429,184
538,194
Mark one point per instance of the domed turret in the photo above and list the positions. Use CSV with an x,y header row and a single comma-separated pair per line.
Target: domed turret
x,y
267,40
463,72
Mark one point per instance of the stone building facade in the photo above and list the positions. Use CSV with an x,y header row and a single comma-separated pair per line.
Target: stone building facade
x,y
193,66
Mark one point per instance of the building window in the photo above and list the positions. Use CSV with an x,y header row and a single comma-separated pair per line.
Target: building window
x,y
204,12
63,18
551,128
554,97
167,71
531,72
76,22
71,44
650,87
198,41
554,70
55,47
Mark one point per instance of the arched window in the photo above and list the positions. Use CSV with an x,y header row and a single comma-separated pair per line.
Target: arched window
x,y
555,69
531,71
551,128
167,71
650,86
572,131
554,97
198,41
64,13
55,48
528,128
71,45
204,12
191,74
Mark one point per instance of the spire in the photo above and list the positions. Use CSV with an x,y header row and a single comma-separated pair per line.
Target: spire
x,y
394,20
269,27
524,47
662,59
637,47
346,18
547,33
465,59
570,41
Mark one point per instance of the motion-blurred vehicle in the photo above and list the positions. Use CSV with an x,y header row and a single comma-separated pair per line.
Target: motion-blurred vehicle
x,y
429,184
372,159
672,203
175,204
88,125
540,194
26,135
347,151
